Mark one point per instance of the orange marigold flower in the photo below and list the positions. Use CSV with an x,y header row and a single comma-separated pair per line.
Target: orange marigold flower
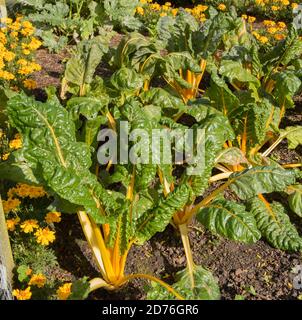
x,y
28,226
64,291
45,236
22,294
53,217
38,280
11,224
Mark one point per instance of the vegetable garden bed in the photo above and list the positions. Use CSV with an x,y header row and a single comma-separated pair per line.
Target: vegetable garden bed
x,y
227,226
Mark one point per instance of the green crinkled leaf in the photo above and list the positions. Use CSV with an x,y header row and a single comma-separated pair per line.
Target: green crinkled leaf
x,y
200,109
87,106
221,96
285,51
286,86
263,179
49,144
81,67
138,52
217,130
295,199
231,156
127,81
162,98
156,220
18,170
275,226
22,273
234,70
79,289
120,12
206,287
145,174
179,60
293,136
229,219
254,119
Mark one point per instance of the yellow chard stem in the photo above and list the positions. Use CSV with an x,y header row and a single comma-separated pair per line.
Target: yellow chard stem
x,y
221,176
111,120
209,198
183,228
292,165
146,85
111,276
91,238
98,283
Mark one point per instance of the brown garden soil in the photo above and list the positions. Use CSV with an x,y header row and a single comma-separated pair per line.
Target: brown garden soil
x,y
255,271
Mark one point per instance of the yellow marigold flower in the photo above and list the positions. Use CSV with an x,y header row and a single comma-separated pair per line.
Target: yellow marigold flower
x,y
263,39
34,66
251,19
279,37
269,23
165,8
30,84
53,217
9,56
10,205
244,16
11,224
140,11
64,291
281,25
163,14
285,2
27,32
275,8
27,24
6,20
155,6
22,294
294,5
23,190
15,26
174,12
3,39
22,62
15,144
256,35
168,4
272,30
29,226
38,280
221,7
143,1
14,34
5,156
6,75
25,71
34,44
26,52
45,236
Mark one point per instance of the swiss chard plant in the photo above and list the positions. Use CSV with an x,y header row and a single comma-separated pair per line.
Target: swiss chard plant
x,y
64,22
112,218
